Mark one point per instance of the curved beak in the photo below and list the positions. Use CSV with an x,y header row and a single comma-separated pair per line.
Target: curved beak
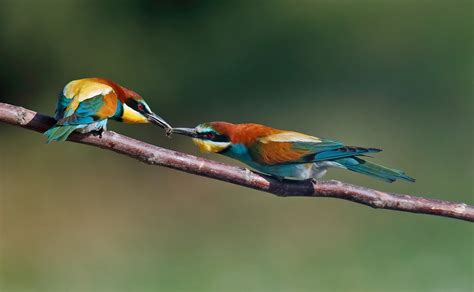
x,y
190,132
157,120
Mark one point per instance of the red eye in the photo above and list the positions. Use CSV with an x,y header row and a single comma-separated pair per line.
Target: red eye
x,y
210,135
140,107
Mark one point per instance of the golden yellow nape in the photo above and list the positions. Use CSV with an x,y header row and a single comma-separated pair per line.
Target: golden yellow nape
x,y
210,146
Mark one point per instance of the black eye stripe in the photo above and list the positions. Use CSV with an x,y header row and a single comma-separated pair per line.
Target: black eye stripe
x,y
213,137
131,103
135,105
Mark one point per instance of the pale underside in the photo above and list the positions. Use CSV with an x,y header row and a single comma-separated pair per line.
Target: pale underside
x,y
96,126
314,170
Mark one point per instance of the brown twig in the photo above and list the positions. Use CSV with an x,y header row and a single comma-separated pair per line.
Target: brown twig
x,y
155,155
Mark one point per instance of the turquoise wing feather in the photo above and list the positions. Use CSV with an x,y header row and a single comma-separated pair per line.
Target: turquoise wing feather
x,y
61,106
70,120
374,170
60,133
85,113
329,150
317,146
345,151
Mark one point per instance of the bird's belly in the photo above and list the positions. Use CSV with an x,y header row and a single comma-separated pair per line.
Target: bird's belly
x,y
97,126
291,171
296,171
299,171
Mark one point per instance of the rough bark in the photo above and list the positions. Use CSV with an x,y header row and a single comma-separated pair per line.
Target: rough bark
x,y
155,155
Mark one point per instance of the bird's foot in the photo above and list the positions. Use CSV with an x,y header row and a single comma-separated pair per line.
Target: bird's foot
x,y
98,132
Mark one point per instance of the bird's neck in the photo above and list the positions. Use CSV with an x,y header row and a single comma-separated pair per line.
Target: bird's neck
x,y
126,114
239,152
118,112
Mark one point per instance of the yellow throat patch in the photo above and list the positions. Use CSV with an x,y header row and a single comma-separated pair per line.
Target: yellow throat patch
x,y
131,116
210,146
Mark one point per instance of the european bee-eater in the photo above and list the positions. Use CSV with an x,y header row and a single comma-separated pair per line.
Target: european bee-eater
x,y
87,104
285,154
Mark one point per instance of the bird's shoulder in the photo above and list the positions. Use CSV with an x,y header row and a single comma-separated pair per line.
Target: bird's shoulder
x,y
298,141
281,136
83,89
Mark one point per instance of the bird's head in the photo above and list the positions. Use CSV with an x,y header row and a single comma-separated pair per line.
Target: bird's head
x,y
136,110
214,137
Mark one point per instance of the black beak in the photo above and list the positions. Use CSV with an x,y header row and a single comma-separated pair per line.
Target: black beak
x,y
157,120
185,131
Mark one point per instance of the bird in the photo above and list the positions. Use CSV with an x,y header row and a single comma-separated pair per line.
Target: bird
x,y
286,154
87,104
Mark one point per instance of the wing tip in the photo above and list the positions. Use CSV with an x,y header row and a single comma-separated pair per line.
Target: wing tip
x,y
360,149
408,178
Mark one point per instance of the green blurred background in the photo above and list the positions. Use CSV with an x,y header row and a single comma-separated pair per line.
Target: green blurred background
x,y
391,74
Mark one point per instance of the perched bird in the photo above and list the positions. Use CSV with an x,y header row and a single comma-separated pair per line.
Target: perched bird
x,y
285,154
87,104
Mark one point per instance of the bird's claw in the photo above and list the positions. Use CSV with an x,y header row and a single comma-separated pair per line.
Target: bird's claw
x,y
98,133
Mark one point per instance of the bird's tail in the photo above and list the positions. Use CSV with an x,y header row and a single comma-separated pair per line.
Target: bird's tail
x,y
59,133
371,169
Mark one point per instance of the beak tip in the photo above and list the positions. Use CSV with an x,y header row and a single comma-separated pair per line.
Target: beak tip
x,y
156,119
169,132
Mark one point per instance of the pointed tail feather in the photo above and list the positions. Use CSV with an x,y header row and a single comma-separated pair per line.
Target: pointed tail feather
x,y
59,133
346,151
371,169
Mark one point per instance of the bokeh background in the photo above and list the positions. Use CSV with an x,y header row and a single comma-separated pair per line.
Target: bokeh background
x,y
391,74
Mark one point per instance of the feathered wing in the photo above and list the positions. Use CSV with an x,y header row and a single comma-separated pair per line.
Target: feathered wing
x,y
293,147
85,112
289,147
61,106
374,170
78,112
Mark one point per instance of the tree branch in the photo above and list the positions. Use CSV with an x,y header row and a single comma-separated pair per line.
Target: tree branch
x,y
155,155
